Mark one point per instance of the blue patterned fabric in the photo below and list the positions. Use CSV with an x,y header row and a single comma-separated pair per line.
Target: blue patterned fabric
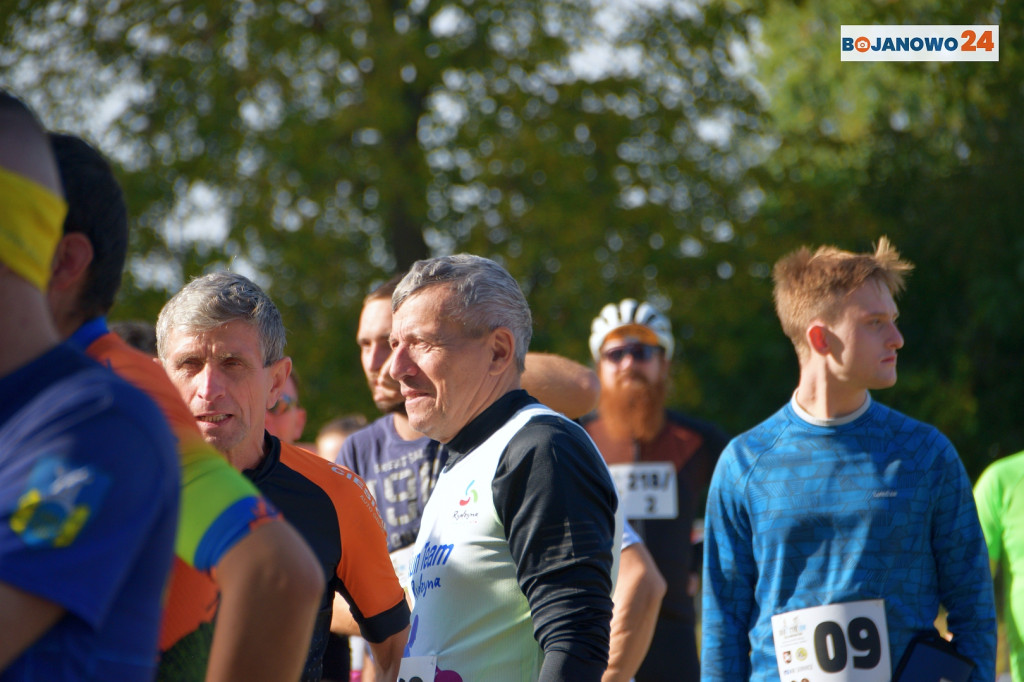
x,y
89,482
802,515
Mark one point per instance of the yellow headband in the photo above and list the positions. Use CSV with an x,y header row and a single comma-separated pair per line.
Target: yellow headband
x,y
31,223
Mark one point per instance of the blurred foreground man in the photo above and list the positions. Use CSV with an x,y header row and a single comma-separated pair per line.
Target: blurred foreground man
x,y
512,565
88,472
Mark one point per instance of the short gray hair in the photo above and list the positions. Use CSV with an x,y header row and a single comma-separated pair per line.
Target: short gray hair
x,y
486,296
209,301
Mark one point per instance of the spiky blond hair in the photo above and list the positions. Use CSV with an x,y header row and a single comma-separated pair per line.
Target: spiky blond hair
x,y
810,286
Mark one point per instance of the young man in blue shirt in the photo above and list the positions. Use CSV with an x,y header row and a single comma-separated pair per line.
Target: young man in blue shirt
x,y
836,528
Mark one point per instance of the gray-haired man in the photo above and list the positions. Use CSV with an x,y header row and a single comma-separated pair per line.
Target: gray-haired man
x,y
513,561
221,341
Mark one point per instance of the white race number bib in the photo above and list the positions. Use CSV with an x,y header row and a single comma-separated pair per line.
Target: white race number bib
x,y
417,669
647,490
835,643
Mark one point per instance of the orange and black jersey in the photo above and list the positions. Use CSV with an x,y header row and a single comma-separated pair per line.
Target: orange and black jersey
x,y
334,512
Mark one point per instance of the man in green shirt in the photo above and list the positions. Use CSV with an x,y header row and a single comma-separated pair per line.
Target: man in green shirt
x,y
999,495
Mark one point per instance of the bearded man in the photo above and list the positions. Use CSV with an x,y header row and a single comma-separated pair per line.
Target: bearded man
x,y
662,463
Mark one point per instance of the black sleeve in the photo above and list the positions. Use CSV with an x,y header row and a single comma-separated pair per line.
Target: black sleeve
x,y
556,500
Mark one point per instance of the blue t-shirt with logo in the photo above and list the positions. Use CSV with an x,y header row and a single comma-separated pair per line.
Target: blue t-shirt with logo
x,y
89,482
400,474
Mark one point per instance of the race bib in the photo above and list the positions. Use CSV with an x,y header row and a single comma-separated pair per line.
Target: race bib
x,y
647,490
835,643
417,669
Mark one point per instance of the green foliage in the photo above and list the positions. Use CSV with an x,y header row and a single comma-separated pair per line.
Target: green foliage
x,y
320,146
337,142
928,154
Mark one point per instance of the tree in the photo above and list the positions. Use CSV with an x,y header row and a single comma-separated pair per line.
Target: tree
x,y
927,153
597,150
665,150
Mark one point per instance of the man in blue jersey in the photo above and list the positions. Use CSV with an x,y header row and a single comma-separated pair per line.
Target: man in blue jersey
x,y
837,528
88,471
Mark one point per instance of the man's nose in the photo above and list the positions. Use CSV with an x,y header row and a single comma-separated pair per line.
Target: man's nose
x,y
209,383
896,339
400,363
380,352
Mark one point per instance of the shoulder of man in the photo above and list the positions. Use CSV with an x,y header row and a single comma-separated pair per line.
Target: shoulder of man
x,y
548,433
547,425
363,533
746,448
373,434
913,434
340,483
707,428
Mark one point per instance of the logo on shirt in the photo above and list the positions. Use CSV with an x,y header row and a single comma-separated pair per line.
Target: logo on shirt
x,y
432,555
467,509
470,494
58,502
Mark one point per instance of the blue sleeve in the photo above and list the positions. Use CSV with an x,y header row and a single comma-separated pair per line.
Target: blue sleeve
x,y
86,485
629,536
965,578
730,575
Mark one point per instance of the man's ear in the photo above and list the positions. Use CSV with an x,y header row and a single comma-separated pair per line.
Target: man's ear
x,y
503,347
817,338
279,372
71,261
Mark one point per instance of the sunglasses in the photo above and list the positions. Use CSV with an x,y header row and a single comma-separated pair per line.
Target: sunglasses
x,y
283,404
640,352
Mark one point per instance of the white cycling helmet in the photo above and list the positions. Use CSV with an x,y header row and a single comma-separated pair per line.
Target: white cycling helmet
x,y
641,320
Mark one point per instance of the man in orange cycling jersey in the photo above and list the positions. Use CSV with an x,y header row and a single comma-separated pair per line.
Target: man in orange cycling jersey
x,y
221,340
228,536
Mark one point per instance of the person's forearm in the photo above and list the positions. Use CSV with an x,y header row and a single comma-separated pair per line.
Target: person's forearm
x,y
270,586
342,621
637,601
387,655
24,618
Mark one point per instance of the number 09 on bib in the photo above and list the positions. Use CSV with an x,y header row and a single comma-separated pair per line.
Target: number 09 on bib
x,y
846,642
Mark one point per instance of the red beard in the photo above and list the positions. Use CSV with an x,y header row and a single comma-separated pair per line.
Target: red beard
x,y
633,410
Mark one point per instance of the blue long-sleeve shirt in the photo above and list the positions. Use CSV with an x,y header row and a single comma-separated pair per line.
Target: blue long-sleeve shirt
x,y
802,514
